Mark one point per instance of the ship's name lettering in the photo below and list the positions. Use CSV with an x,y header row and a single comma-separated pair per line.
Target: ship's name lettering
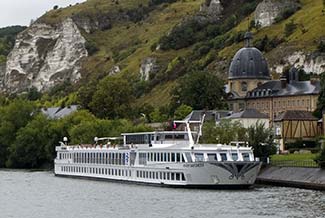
x,y
194,165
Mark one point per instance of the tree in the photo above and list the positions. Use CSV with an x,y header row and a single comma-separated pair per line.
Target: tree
x,y
261,140
157,116
85,94
28,150
320,159
321,98
112,98
199,90
182,111
224,132
13,116
33,94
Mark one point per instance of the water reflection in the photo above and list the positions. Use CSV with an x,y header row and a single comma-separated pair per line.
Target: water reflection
x,y
40,194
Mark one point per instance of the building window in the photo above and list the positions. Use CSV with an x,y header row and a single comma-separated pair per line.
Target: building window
x,y
244,86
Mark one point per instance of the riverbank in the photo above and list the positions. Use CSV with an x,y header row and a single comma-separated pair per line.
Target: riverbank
x,y
309,178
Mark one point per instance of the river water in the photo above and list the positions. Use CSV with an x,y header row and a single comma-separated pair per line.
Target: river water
x,y
42,195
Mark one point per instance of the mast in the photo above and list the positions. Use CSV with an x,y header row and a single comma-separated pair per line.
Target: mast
x,y
200,129
188,128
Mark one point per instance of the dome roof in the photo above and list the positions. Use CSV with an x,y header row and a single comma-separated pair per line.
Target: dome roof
x,y
249,63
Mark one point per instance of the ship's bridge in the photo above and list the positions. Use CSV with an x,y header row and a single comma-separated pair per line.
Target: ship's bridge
x,y
157,138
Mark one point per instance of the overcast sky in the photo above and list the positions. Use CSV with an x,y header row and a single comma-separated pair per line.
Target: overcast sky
x,y
21,12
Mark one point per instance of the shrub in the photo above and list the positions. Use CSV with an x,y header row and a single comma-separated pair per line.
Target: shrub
x,y
321,46
320,159
91,47
158,2
285,14
290,28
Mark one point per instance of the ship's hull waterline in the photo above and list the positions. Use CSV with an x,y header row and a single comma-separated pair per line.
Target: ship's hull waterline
x,y
203,175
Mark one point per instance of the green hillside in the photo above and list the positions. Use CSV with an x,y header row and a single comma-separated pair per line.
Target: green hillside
x,y
186,42
309,20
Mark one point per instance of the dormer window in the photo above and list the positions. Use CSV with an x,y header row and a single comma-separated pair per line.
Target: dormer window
x,y
244,86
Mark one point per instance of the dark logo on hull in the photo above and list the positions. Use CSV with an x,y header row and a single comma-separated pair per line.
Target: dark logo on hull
x,y
237,170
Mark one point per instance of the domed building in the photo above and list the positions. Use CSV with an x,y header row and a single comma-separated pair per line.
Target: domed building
x,y
288,102
250,86
248,70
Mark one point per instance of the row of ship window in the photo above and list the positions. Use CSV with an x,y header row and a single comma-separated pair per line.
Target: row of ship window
x,y
120,172
144,157
180,157
97,158
161,175
94,170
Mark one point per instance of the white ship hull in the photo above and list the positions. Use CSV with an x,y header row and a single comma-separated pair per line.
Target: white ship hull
x,y
191,175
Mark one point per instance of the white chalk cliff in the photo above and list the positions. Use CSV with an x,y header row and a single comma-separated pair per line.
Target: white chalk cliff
x,y
44,56
310,63
268,10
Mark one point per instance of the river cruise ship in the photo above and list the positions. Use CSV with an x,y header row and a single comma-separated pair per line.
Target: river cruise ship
x,y
168,158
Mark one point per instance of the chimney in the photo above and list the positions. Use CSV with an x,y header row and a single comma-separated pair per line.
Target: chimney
x,y
283,80
314,79
293,74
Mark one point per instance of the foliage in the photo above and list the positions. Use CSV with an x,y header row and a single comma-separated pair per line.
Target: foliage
x,y
182,111
158,2
285,14
293,157
85,94
183,35
91,47
7,40
261,140
266,44
33,94
13,116
196,30
290,28
112,98
321,158
28,150
200,90
321,46
321,97
157,116
224,132
28,138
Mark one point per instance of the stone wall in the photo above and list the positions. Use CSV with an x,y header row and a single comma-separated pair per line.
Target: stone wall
x,y
313,178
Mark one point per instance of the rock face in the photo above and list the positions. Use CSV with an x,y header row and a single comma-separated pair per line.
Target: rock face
x,y
148,66
212,8
44,56
114,70
311,63
267,11
2,75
